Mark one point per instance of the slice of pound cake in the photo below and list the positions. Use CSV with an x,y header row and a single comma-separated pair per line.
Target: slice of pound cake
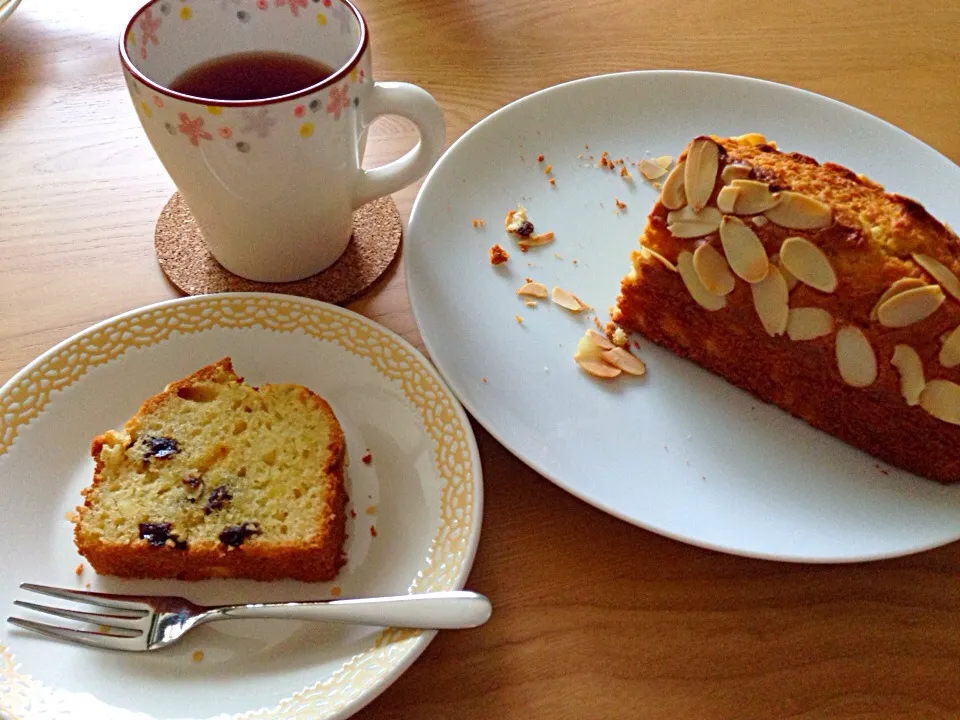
x,y
215,478
814,289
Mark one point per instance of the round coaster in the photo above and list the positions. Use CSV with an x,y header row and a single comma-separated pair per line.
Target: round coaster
x,y
187,262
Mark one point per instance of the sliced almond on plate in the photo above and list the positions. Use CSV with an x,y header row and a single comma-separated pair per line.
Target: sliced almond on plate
x,y
808,264
950,351
727,199
754,197
908,363
771,301
624,360
568,300
713,271
899,286
598,368
799,212
588,357
664,161
940,272
743,249
536,240
651,170
672,195
533,289
597,339
808,323
735,172
700,173
856,359
910,306
703,297
941,398
646,252
686,223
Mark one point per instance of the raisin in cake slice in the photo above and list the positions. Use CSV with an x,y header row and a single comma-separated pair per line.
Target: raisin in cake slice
x,y
814,289
215,478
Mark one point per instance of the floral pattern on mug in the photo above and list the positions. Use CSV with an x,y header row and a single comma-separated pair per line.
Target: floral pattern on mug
x,y
193,129
294,5
257,121
339,101
148,31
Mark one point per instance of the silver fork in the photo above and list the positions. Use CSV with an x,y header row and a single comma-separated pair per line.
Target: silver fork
x,y
150,622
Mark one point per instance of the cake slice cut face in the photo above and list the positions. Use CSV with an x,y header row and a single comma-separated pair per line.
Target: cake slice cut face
x,y
215,478
811,287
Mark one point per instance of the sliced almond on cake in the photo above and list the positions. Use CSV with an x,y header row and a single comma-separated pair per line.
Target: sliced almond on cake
x,y
687,223
950,351
733,172
808,323
753,197
771,300
703,297
646,252
910,306
856,360
940,272
700,173
808,264
799,212
743,249
910,366
727,199
941,398
901,285
673,195
713,270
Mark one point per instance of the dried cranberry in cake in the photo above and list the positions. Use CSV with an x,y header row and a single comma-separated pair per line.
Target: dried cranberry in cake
x,y
157,534
159,447
234,535
218,498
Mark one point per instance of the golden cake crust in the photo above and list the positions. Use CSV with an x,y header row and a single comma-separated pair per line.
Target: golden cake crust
x,y
870,244
316,558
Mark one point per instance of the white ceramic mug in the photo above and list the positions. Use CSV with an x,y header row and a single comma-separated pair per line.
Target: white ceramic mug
x,y
273,183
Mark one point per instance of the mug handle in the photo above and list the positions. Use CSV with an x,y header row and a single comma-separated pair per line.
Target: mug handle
x,y
417,105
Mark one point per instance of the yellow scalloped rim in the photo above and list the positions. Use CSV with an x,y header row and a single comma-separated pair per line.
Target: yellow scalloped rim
x,y
29,393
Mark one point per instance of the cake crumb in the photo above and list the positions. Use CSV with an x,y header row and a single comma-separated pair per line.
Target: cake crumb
x,y
72,516
574,261
368,458
530,303
540,157
484,380
371,510
620,204
498,255
553,182
619,338
596,322
336,591
78,570
624,173
87,586
518,319
373,531
548,169
197,656
478,223
353,513
557,256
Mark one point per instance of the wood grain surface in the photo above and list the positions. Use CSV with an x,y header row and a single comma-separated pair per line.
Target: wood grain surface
x,y
594,618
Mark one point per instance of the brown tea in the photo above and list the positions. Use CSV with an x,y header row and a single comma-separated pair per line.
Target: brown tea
x,y
251,76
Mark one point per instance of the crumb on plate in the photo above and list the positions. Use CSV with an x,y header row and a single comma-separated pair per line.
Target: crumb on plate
x,y
197,656
498,255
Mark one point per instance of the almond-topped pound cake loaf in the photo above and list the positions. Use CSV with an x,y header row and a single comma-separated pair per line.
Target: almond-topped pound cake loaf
x,y
814,289
215,478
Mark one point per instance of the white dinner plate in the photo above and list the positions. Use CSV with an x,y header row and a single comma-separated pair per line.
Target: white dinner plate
x,y
421,492
680,452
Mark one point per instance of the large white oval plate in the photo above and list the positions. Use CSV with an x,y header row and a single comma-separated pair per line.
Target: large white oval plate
x,y
423,492
681,452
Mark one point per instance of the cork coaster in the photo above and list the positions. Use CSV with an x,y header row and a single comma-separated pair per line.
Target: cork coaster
x,y
188,264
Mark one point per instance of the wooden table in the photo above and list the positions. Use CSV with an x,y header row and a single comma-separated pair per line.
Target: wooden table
x,y
594,618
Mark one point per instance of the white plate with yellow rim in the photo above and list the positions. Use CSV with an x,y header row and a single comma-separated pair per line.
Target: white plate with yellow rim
x,y
681,451
415,525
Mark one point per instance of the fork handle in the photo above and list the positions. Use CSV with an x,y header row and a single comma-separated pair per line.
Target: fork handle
x,y
432,611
